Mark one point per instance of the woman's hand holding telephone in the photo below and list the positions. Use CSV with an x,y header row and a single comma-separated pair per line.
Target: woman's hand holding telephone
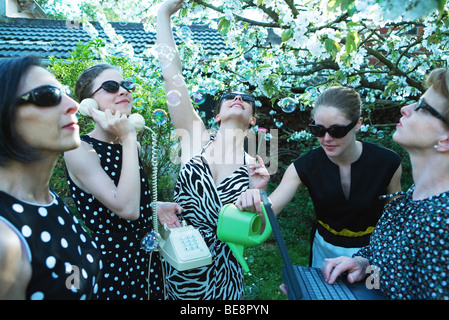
x,y
136,119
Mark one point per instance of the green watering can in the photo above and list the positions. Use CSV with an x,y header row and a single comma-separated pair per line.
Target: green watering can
x,y
241,228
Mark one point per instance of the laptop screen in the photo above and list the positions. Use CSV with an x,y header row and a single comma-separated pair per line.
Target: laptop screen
x,y
292,283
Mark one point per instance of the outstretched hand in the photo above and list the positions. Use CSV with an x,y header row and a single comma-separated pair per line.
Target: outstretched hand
x,y
171,6
258,174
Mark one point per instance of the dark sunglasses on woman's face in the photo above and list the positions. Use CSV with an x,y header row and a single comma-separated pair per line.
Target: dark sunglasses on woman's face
x,y
245,97
44,96
335,131
421,104
113,86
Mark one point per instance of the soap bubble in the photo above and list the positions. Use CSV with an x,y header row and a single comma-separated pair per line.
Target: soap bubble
x,y
173,98
288,105
311,90
130,84
178,80
184,33
159,117
166,54
380,134
151,241
198,97
138,103
47,46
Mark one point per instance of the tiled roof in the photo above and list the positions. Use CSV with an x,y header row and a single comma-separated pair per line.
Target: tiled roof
x,y
45,38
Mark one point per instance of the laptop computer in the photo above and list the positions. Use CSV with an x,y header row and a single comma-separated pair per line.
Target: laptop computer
x,y
306,283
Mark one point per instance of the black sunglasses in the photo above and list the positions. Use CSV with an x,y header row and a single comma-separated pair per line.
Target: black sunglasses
x,y
335,131
113,86
245,97
44,96
421,104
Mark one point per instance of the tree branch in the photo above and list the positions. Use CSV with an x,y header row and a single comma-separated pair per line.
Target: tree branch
x,y
239,18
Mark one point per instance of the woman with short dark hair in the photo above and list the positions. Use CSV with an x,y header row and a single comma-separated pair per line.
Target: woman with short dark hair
x,y
45,253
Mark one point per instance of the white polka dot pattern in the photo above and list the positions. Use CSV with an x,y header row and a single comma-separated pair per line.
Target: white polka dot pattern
x,y
126,264
410,245
53,235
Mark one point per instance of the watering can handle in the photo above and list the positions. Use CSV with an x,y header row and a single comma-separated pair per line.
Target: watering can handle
x,y
267,231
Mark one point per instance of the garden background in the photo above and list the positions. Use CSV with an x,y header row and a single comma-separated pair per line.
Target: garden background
x,y
285,53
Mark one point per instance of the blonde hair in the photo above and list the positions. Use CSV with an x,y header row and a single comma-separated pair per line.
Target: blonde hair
x,y
439,80
346,99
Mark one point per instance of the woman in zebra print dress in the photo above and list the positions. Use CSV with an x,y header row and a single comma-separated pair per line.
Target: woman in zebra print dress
x,y
215,169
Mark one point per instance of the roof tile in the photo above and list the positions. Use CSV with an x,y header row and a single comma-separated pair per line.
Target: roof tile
x,y
45,37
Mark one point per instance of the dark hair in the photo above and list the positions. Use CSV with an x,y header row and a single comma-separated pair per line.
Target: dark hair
x,y
12,146
83,88
218,104
439,79
346,99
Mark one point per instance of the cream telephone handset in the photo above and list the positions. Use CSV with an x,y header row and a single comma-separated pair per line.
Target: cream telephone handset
x,y
136,119
184,247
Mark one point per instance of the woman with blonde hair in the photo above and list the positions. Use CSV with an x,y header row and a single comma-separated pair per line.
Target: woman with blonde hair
x,y
344,176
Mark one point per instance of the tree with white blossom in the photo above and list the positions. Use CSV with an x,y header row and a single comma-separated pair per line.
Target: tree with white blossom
x,y
296,49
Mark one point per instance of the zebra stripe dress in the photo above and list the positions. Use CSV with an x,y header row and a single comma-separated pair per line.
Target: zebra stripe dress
x,y
202,200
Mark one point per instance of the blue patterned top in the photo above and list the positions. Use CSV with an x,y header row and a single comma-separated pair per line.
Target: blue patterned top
x,y
410,245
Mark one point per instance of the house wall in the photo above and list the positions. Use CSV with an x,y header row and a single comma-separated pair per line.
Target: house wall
x,y
28,9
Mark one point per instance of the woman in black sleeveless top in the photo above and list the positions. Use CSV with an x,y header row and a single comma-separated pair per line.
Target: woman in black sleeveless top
x,y
344,177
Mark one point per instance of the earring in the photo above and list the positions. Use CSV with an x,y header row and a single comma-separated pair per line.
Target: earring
x,y
435,146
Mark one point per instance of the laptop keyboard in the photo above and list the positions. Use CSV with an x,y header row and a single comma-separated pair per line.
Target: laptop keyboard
x,y
318,289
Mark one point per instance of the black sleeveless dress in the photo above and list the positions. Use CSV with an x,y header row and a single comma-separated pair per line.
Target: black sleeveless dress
x,y
65,261
129,271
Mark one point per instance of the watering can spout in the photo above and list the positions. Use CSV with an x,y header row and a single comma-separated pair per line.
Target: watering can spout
x,y
237,250
241,228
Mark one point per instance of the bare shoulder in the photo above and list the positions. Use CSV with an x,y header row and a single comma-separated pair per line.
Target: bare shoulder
x,y
15,269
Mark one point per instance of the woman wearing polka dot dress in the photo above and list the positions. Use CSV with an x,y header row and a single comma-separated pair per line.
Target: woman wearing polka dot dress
x,y
410,245
44,251
111,190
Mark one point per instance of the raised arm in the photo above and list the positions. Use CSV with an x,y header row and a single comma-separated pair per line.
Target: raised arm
x,y
185,119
